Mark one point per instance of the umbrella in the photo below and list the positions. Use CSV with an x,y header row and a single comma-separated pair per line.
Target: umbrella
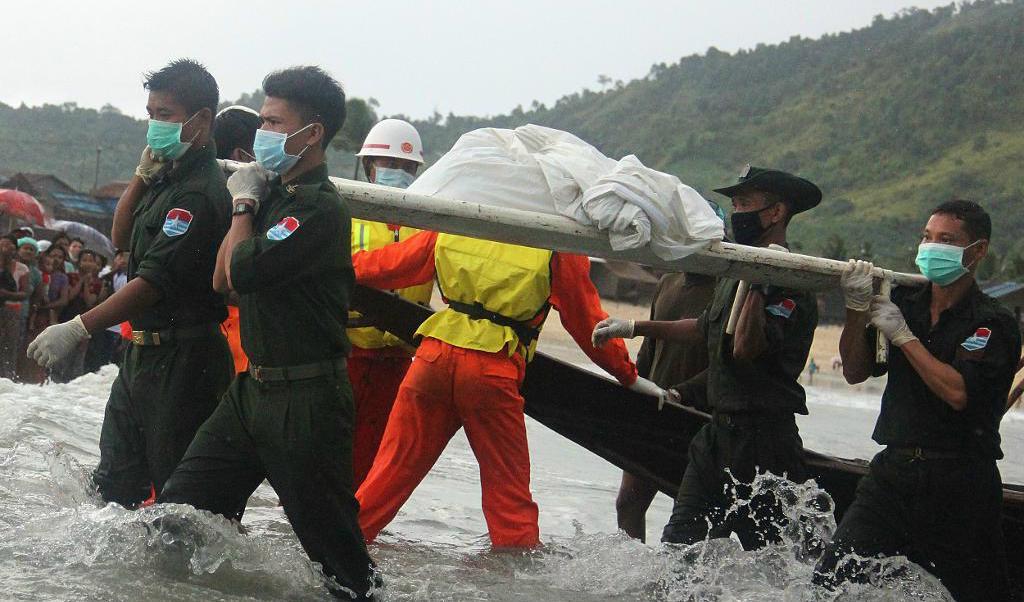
x,y
22,205
93,238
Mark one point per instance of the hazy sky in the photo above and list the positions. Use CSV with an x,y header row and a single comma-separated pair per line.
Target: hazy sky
x,y
471,57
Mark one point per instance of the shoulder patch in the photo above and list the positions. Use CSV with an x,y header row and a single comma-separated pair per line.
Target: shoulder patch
x,y
283,229
783,308
177,221
978,340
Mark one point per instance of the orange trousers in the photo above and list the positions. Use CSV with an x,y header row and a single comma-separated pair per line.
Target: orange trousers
x,y
446,388
375,379
232,329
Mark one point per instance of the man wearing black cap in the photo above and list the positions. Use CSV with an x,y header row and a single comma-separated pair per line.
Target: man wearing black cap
x,y
751,381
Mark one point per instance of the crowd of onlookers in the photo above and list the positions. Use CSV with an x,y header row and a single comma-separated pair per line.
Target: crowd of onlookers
x,y
44,282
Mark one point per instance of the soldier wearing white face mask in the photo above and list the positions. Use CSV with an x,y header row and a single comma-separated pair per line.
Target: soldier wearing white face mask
x,y
391,155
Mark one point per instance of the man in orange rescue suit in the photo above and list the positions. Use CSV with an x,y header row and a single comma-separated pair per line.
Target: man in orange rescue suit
x,y
391,155
469,367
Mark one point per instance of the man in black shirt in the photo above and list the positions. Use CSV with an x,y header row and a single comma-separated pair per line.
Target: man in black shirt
x,y
934,493
289,418
171,217
751,383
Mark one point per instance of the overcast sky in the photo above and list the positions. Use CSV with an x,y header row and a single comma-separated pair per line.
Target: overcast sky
x,y
471,57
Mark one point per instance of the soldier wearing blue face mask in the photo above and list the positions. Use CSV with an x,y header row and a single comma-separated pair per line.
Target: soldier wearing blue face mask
x,y
288,418
934,493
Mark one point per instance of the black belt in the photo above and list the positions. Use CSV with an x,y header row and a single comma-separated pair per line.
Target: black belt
x,y
149,338
921,453
526,333
752,419
266,374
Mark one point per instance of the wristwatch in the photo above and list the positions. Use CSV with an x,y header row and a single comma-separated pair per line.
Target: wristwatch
x,y
241,208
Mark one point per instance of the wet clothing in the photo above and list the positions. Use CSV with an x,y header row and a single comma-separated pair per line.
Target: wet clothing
x,y
935,494
379,359
161,396
468,370
753,429
375,380
981,340
296,268
943,514
164,392
289,419
678,297
179,224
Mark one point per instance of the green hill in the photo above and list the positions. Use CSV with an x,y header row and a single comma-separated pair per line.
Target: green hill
x,y
889,120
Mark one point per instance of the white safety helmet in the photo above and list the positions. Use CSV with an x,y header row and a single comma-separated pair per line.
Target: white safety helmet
x,y
393,138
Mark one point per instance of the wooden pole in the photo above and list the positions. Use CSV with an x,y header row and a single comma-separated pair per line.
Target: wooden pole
x,y
559,233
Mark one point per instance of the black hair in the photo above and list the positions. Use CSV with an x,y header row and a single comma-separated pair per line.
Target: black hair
x,y
313,93
57,248
59,236
234,128
976,221
11,237
188,82
84,252
78,240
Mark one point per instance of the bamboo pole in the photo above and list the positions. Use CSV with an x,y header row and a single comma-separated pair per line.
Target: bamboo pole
x,y
559,233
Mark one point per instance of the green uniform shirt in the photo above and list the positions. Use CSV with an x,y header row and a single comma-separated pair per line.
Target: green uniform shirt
x,y
294,277
981,340
769,382
678,297
179,224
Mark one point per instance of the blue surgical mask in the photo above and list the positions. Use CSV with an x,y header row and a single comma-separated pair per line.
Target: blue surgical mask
x,y
164,139
389,176
269,150
941,263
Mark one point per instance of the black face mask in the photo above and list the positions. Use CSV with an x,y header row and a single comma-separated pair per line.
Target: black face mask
x,y
746,226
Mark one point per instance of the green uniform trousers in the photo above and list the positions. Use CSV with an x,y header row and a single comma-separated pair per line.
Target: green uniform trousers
x,y
745,444
161,396
943,514
298,435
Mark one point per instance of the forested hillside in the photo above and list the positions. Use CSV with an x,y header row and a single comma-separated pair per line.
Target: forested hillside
x,y
889,120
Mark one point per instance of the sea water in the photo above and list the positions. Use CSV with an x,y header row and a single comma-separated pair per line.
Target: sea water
x,y
59,542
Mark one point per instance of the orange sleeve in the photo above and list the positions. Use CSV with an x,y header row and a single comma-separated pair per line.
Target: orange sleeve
x,y
579,309
398,265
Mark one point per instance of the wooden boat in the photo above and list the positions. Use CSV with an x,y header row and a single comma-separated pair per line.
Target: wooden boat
x,y
628,430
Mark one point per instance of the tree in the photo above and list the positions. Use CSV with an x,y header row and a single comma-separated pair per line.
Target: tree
x,y
604,81
835,248
359,118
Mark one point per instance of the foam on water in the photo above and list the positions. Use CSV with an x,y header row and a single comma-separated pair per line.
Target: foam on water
x,y
59,542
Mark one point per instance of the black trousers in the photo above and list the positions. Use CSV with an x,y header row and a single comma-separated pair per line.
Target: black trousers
x,y
297,435
161,396
944,515
745,445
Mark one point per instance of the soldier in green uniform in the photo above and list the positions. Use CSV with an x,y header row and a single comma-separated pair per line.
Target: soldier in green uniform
x,y
751,381
289,418
172,217
934,493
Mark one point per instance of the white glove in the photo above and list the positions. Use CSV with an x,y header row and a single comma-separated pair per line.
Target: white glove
x,y
57,341
646,387
889,321
149,166
250,182
858,285
611,328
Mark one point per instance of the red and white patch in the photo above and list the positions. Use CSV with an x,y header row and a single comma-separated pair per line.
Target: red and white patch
x,y
177,221
407,147
283,229
978,340
783,308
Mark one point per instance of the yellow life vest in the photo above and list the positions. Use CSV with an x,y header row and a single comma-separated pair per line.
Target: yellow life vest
x,y
367,236
497,294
